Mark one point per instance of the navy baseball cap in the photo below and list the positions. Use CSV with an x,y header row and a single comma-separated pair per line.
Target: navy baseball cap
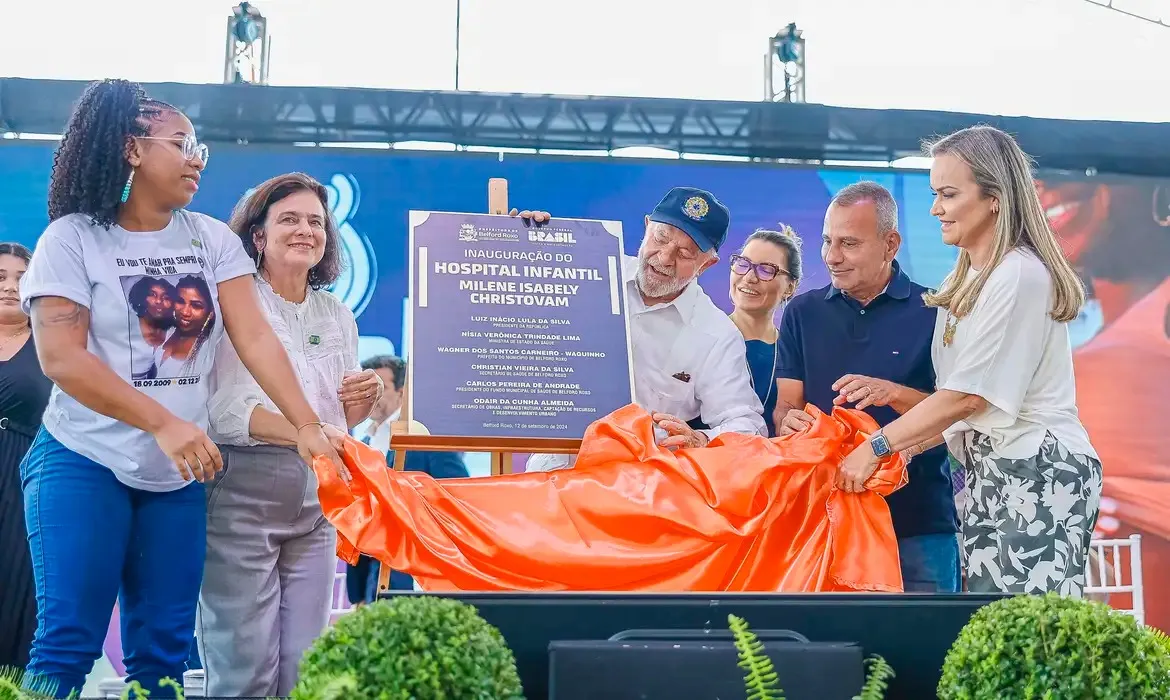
x,y
696,213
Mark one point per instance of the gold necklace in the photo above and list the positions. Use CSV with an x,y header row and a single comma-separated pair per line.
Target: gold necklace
x,y
4,343
949,329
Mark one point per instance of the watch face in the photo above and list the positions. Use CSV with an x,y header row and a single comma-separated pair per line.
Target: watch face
x,y
881,446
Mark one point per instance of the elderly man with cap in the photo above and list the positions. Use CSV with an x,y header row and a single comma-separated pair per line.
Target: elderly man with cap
x,y
690,362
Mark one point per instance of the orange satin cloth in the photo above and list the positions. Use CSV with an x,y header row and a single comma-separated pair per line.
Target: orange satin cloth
x,y
743,514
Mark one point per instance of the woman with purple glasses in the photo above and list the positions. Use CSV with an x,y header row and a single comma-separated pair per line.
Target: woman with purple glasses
x,y
764,275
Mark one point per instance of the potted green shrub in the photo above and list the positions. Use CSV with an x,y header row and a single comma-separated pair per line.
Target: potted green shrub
x,y
1055,648
410,648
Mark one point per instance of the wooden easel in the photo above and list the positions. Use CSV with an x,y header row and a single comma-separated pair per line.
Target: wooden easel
x,y
405,435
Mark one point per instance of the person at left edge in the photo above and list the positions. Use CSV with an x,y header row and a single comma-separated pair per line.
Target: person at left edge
x,y
24,393
113,482
690,361
271,562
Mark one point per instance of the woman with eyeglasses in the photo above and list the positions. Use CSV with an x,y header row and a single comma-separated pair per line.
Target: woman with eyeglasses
x,y
113,482
764,275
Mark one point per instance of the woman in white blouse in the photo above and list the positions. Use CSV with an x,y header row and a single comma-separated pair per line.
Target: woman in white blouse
x,y
268,581
1006,400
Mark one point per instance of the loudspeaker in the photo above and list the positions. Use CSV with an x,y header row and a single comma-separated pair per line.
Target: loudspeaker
x,y
650,664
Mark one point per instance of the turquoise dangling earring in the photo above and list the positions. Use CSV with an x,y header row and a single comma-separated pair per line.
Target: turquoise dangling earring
x,y
126,189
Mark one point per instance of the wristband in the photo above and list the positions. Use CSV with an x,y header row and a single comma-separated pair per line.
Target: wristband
x,y
315,422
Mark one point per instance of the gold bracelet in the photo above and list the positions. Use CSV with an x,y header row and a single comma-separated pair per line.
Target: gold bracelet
x,y
315,422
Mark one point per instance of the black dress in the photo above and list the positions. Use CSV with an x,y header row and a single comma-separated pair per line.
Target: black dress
x,y
24,392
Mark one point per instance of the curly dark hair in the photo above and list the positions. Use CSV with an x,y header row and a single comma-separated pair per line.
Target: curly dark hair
x,y
90,168
251,212
140,290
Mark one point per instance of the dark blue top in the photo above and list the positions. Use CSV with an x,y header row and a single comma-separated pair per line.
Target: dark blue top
x,y
824,335
762,359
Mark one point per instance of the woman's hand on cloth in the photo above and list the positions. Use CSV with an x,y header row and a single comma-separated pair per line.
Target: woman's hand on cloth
x,y
361,389
678,433
335,436
313,442
856,468
195,455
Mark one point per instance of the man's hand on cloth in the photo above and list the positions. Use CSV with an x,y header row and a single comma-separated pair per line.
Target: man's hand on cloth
x,y
794,421
678,434
863,392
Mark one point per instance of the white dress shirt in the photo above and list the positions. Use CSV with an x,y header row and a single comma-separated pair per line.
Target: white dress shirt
x,y
380,439
691,338
321,338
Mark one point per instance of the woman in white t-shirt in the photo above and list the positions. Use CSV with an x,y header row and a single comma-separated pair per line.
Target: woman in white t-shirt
x,y
113,483
271,554
1006,400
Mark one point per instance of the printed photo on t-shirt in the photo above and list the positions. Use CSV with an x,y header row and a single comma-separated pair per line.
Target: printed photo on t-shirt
x,y
171,319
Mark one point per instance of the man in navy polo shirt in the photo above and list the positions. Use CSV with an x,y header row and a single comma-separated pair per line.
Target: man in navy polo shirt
x,y
864,341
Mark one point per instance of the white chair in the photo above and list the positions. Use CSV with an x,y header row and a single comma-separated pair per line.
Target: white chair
x,y
193,684
341,603
1106,573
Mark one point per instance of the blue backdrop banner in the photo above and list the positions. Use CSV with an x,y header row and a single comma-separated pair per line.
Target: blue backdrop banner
x,y
371,193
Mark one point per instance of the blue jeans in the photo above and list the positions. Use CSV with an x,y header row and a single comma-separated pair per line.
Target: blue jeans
x,y
930,563
94,540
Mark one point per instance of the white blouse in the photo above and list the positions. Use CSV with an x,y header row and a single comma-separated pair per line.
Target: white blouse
x,y
321,337
1009,351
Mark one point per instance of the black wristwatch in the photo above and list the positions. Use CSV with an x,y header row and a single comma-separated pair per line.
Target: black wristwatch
x,y
880,445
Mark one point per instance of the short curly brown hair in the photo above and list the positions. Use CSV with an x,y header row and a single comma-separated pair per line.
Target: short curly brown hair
x,y
251,212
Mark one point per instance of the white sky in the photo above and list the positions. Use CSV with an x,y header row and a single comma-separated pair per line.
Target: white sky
x,y
1048,58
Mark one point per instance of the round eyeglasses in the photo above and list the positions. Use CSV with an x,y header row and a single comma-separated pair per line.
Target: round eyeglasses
x,y
190,147
764,271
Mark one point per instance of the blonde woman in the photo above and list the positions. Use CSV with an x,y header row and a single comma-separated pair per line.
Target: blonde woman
x,y
1006,401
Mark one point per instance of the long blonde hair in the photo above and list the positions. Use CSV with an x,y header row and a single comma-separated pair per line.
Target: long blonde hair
x,y
1003,171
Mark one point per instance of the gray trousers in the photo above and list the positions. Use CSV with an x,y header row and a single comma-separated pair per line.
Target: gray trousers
x,y
269,575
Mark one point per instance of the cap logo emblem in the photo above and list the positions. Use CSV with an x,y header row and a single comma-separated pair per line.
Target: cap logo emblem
x,y
696,208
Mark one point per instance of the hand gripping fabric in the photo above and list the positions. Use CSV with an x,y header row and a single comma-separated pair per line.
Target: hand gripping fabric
x,y
742,514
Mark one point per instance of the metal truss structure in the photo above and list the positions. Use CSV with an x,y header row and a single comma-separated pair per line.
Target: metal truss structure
x,y
761,130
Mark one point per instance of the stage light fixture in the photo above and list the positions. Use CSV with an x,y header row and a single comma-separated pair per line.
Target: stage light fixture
x,y
248,42
784,66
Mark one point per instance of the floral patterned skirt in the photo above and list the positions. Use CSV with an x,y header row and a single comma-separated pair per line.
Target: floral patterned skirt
x,y
1027,523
